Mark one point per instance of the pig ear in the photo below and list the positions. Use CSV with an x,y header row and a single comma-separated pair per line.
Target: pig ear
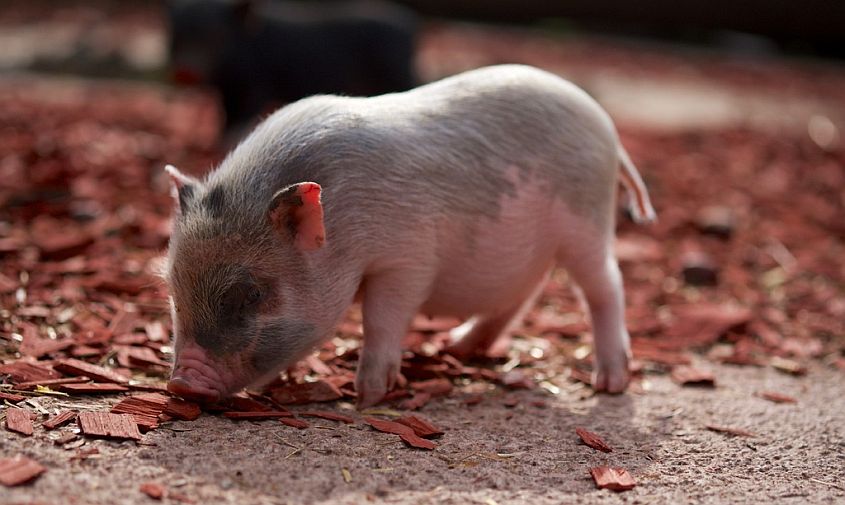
x,y
183,187
297,210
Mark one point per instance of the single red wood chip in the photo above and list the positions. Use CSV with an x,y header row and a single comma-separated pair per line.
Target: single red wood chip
x,y
647,352
153,490
473,399
320,391
51,382
406,433
144,408
92,388
19,470
434,387
416,441
19,420
129,356
181,497
395,395
776,397
510,401
388,426
593,440
416,402
59,419
72,366
270,414
182,409
65,438
149,387
332,416
615,479
247,404
690,376
420,426
293,422
104,424
737,432
12,397
21,371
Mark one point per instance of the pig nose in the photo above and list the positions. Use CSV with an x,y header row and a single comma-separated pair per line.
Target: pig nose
x,y
181,386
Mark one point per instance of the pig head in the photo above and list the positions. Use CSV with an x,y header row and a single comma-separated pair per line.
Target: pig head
x,y
242,285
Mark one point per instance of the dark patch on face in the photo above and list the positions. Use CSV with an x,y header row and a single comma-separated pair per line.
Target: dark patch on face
x,y
215,201
234,305
278,341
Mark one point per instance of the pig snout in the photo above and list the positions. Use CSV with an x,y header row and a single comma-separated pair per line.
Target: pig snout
x,y
195,378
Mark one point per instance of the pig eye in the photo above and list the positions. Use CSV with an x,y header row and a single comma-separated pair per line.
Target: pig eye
x,y
253,295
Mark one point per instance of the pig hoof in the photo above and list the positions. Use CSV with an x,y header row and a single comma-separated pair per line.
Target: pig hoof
x,y
373,386
611,380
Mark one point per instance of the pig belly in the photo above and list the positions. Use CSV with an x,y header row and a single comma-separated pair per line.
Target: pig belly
x,y
494,265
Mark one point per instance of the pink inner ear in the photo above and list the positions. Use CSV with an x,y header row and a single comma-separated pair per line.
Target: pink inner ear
x,y
310,233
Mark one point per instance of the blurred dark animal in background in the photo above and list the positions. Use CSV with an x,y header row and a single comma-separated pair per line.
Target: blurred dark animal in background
x,y
262,54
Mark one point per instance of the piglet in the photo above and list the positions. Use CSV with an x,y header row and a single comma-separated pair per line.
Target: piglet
x,y
456,198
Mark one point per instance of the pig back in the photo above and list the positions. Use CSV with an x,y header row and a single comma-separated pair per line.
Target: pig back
x,y
452,149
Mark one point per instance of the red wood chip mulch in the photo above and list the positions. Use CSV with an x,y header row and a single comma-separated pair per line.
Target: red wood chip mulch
x,y
153,490
51,382
19,420
294,423
416,402
320,391
144,408
434,387
269,414
59,419
12,397
406,433
246,404
689,376
776,397
92,388
737,432
19,470
332,416
591,439
22,371
106,425
615,479
71,366
182,409
420,426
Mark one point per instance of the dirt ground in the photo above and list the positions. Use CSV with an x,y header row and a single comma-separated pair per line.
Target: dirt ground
x,y
764,139
490,453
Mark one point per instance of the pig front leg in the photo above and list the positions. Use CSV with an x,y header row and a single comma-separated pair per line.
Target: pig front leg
x,y
390,301
598,276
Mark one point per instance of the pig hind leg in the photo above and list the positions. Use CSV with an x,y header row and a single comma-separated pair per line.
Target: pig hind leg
x,y
479,333
390,301
591,264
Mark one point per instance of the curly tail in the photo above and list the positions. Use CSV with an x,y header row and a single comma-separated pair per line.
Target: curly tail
x,y
641,209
